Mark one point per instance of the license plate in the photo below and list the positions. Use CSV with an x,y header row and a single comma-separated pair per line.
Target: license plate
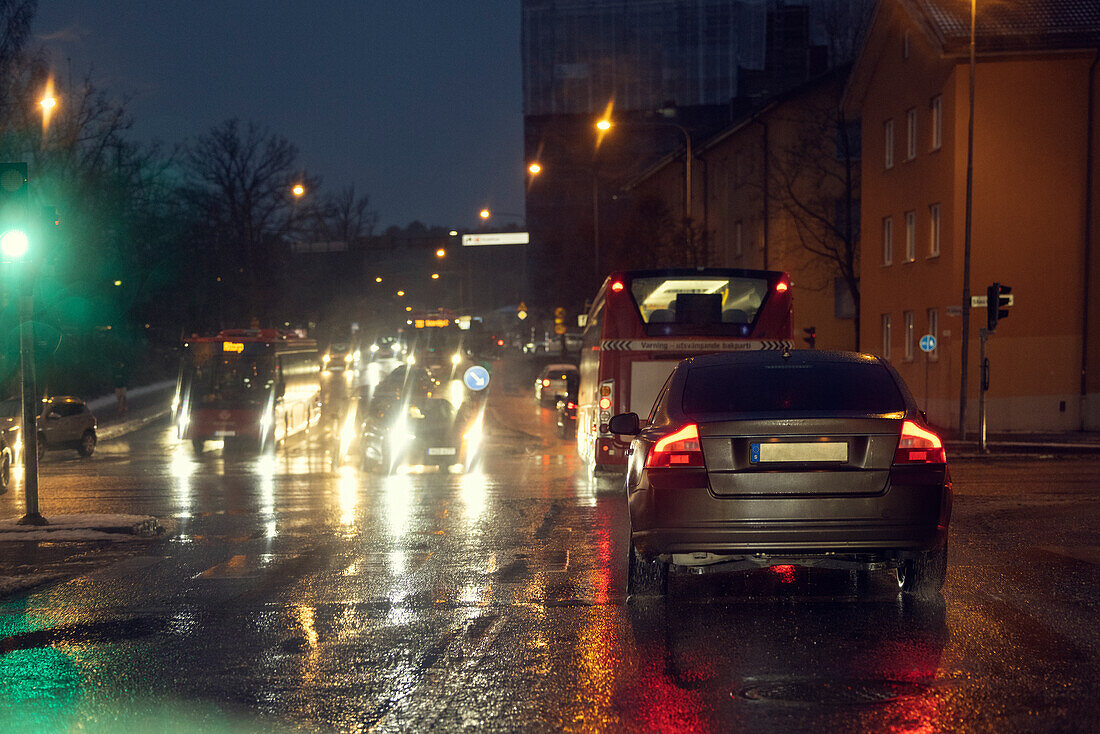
x,y
225,433
447,451
803,451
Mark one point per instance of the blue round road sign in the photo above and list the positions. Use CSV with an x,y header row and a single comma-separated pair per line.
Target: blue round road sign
x,y
476,377
927,343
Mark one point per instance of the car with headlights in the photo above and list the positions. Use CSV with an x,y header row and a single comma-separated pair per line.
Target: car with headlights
x,y
414,421
552,382
795,457
340,356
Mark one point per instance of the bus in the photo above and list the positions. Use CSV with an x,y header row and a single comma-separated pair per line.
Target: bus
x,y
642,322
247,387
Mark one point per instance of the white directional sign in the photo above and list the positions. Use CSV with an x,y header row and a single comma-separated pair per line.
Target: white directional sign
x,y
496,238
982,301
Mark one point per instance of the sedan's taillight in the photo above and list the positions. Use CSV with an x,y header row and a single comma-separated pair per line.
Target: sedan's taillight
x,y
677,450
919,446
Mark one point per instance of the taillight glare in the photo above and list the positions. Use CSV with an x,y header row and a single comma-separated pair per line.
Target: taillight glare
x,y
679,450
918,445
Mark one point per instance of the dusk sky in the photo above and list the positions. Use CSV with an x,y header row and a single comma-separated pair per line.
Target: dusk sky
x,y
416,103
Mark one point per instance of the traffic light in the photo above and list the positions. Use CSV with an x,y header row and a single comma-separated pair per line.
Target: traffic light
x,y
811,336
996,304
14,204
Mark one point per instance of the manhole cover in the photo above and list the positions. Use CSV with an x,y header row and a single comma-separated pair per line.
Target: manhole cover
x,y
831,693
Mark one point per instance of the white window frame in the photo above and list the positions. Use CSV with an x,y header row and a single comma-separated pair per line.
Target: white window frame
x,y
934,219
937,122
909,327
910,236
887,335
887,241
911,128
933,329
888,141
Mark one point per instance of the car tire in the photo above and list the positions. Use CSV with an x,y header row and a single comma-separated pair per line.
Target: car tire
x,y
198,445
5,469
87,444
645,577
924,575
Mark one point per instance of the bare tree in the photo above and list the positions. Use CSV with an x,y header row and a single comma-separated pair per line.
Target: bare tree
x,y
815,183
240,178
346,217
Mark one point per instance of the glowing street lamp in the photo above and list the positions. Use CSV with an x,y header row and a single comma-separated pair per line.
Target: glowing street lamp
x,y
603,125
534,169
378,279
298,190
441,253
400,294
485,214
435,276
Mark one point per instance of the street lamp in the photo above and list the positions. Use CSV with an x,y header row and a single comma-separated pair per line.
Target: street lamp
x,y
298,190
534,169
605,124
485,214
441,253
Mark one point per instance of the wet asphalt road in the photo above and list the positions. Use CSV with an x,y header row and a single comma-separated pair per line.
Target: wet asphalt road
x,y
292,595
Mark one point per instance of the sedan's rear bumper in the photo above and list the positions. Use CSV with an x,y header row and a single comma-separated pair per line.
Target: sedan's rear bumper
x,y
684,519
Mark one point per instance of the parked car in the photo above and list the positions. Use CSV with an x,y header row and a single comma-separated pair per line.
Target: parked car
x,y
64,422
567,407
552,382
805,457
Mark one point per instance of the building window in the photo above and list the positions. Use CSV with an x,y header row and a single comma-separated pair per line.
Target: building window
x,y
909,336
886,336
937,122
738,239
910,236
887,240
911,127
888,141
934,230
934,330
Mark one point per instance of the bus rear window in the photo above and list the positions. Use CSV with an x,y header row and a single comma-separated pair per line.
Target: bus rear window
x,y
699,300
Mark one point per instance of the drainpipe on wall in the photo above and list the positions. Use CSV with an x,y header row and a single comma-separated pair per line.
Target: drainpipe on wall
x,y
1089,155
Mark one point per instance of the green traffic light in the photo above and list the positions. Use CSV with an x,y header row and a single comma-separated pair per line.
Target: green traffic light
x,y
14,244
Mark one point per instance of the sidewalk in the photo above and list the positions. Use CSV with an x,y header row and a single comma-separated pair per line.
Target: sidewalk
x,y
1002,445
146,404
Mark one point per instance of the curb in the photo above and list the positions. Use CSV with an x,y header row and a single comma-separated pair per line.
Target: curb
x,y
73,525
121,429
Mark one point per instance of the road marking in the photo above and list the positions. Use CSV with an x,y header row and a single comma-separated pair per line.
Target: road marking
x,y
235,567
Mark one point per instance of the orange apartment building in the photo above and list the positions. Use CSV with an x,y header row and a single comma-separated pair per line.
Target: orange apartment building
x,y
1035,203
740,199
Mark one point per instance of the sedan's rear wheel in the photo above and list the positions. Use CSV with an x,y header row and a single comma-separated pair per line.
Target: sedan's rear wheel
x,y
923,576
645,577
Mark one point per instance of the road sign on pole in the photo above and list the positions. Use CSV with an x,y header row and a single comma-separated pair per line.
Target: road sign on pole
x,y
928,343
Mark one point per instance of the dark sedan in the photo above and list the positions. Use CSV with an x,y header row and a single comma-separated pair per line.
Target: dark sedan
x,y
804,457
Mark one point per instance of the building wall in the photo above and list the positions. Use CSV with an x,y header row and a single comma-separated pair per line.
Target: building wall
x,y
730,178
1028,227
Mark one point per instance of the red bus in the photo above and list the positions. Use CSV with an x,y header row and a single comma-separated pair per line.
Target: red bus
x,y
252,387
643,322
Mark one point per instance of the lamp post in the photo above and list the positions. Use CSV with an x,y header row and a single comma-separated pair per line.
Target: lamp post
x,y
605,124
966,229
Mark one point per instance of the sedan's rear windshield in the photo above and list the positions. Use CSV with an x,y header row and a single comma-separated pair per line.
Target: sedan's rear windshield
x,y
796,387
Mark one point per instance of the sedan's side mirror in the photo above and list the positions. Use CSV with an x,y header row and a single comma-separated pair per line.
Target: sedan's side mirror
x,y
624,424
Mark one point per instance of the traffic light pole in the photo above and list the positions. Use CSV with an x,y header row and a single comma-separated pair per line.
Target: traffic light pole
x,y
30,408
983,335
